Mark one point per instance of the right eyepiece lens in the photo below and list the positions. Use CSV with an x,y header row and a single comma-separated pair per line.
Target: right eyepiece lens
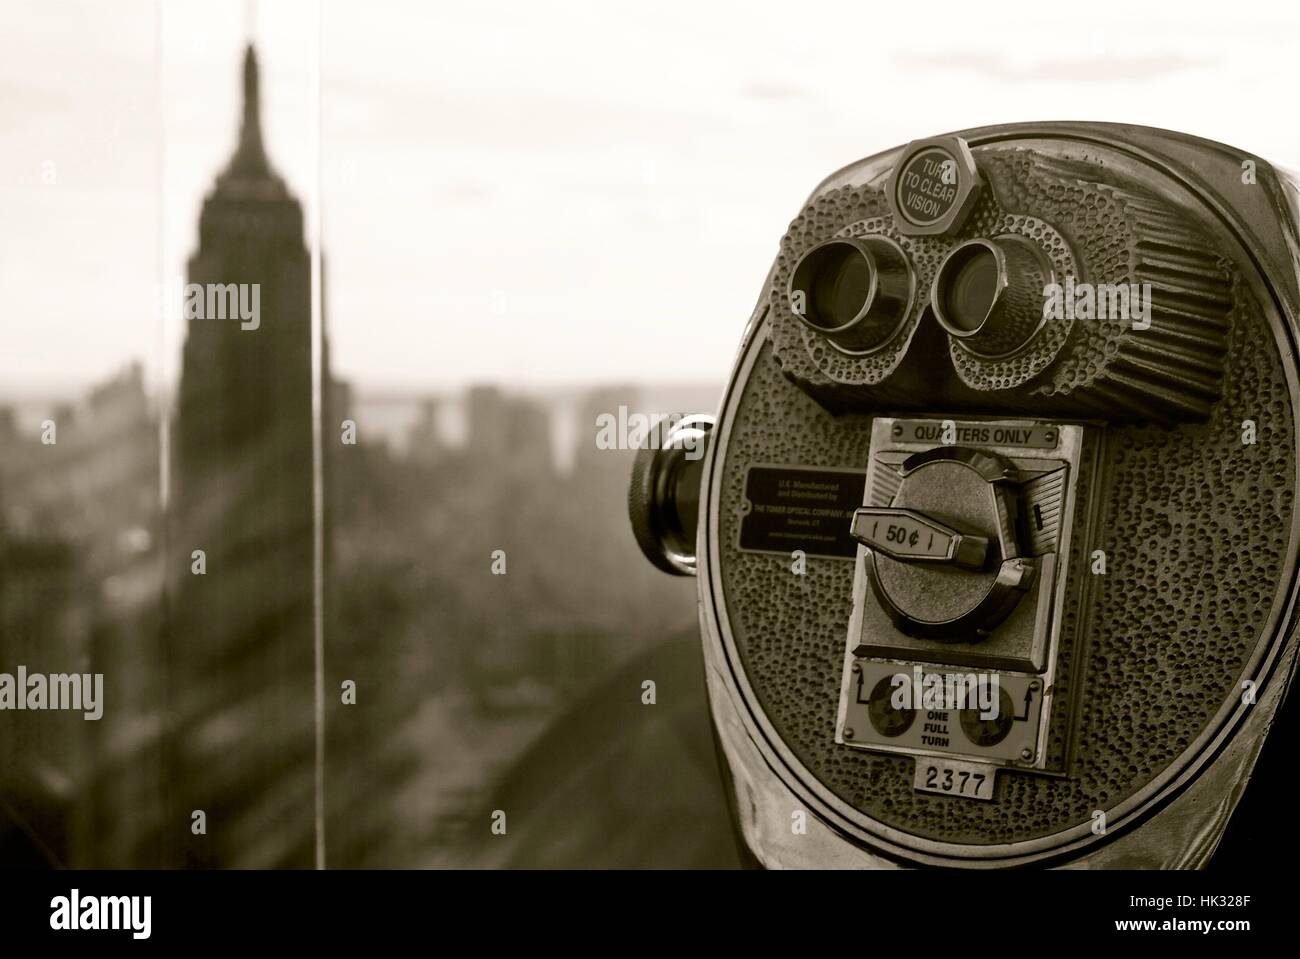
x,y
988,294
969,287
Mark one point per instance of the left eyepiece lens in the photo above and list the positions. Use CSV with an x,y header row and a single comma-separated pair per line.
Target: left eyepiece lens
x,y
854,291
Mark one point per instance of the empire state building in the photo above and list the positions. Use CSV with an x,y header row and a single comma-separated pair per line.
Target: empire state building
x,y
240,741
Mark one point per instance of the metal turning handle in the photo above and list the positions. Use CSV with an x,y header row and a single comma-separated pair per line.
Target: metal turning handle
x,y
910,536
663,499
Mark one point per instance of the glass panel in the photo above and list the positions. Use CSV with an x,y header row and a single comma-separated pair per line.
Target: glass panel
x,y
156,479
81,520
491,227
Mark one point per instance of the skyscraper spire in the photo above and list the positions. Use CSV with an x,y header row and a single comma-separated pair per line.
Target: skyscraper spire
x,y
250,162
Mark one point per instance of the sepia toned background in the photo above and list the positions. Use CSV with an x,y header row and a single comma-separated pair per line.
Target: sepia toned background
x,y
527,216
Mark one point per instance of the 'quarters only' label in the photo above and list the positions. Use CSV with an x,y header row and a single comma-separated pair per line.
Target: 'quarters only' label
x,y
957,433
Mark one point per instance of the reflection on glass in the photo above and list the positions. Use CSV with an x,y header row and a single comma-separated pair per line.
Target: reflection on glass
x,y
507,683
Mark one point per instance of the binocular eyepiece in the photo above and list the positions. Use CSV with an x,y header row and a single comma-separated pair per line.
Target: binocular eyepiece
x,y
855,292
987,293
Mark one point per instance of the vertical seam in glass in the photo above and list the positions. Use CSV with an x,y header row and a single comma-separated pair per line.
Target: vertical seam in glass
x,y
317,441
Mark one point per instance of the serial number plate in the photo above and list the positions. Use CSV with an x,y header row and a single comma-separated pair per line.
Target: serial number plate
x,y
950,778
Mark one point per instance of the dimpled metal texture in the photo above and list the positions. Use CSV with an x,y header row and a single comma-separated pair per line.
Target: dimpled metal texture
x,y
1195,526
809,355
1123,237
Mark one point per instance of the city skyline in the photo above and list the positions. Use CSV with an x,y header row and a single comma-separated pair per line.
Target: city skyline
x,y
188,547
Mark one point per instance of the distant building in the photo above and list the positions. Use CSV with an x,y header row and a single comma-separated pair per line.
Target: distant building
x,y
511,434
592,408
425,442
99,479
78,521
240,636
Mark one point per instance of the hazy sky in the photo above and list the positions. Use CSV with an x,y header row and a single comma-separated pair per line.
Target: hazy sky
x,y
535,193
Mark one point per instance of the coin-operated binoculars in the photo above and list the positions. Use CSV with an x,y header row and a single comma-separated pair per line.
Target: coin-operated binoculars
x,y
996,531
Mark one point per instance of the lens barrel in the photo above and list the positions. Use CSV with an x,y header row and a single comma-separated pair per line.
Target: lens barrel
x,y
988,294
855,291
